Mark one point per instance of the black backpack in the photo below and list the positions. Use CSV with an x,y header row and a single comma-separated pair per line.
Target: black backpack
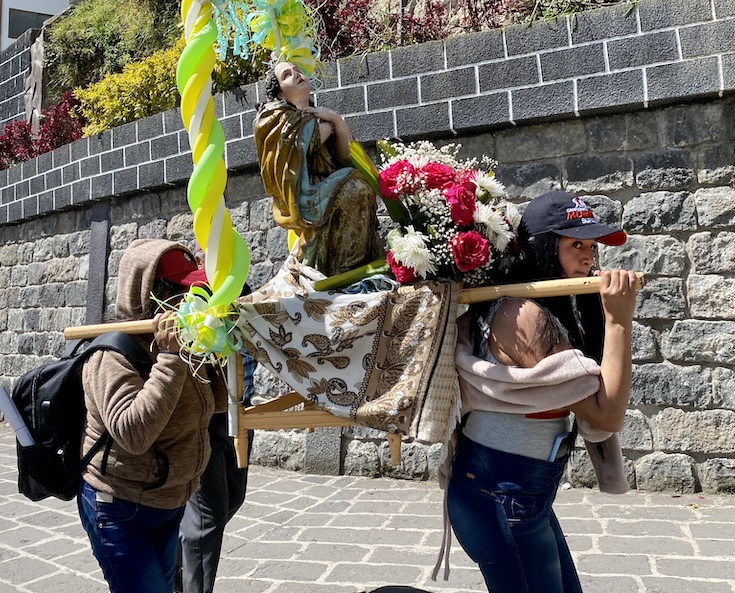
x,y
50,400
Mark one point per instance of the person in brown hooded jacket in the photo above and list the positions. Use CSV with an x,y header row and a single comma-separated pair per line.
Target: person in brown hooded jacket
x,y
132,493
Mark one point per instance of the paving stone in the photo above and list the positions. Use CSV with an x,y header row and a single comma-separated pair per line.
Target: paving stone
x,y
710,569
668,585
307,588
644,545
644,528
374,532
608,584
291,570
614,564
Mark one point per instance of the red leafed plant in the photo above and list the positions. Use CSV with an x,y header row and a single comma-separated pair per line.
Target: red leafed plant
x,y
16,144
60,124
357,26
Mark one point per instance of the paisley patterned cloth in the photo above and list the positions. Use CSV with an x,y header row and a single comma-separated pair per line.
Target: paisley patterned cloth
x,y
383,359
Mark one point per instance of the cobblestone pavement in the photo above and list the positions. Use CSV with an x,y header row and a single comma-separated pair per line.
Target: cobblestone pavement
x,y
299,533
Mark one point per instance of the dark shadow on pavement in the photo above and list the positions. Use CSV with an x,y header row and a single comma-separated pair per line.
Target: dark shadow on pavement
x,y
398,589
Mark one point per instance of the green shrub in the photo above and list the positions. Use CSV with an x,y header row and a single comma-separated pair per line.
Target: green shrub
x,y
98,37
141,89
148,87
236,71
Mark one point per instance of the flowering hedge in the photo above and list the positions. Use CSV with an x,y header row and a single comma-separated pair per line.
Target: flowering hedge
x,y
141,89
149,87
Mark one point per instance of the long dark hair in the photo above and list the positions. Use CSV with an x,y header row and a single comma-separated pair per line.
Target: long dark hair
x,y
272,86
581,316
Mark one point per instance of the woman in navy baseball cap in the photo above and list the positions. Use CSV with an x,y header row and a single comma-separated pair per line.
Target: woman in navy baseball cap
x,y
559,236
525,367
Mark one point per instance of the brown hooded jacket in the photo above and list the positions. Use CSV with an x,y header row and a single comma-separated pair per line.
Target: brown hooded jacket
x,y
158,423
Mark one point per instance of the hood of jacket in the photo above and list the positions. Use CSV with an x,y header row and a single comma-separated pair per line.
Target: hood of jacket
x,y
137,273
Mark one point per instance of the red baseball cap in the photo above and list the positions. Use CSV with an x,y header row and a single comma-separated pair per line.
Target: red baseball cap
x,y
180,267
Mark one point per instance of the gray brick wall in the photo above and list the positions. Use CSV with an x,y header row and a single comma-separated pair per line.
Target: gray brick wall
x,y
633,108
15,66
617,58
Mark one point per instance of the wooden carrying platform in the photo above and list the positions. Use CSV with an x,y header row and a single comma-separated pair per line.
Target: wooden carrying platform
x,y
293,411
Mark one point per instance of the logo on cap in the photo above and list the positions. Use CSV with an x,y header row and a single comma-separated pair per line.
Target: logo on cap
x,y
581,212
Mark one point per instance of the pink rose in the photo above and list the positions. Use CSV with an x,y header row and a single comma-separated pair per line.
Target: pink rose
x,y
403,274
461,199
436,175
396,179
470,250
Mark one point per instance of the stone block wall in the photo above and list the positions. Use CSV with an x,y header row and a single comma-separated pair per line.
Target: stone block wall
x,y
657,158
621,58
15,66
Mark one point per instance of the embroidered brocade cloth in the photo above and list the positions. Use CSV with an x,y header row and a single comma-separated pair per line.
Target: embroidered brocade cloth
x,y
383,359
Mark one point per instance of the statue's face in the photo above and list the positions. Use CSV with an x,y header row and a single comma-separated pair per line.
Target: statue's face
x,y
295,87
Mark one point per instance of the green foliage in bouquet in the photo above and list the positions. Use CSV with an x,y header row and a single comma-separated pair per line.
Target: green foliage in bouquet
x,y
364,164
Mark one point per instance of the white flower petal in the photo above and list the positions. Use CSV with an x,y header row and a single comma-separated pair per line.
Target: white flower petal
x,y
411,250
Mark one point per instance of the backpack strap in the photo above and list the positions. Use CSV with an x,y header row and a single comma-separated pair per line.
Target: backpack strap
x,y
123,344
120,342
105,439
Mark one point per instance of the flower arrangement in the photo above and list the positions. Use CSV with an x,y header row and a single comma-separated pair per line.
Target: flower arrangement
x,y
453,219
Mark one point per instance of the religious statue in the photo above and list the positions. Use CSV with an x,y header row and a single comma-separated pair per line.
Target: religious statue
x,y
304,162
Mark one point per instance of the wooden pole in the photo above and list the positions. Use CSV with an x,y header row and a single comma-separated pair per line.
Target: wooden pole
x,y
144,326
240,438
528,290
533,290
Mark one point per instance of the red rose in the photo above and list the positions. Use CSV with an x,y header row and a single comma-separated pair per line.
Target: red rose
x,y
461,199
436,175
470,250
396,179
403,274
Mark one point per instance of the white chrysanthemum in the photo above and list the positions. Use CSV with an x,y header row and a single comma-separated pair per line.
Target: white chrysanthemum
x,y
419,160
424,152
495,226
488,185
411,250
513,215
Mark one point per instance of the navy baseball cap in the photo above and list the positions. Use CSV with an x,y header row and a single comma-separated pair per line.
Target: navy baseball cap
x,y
567,215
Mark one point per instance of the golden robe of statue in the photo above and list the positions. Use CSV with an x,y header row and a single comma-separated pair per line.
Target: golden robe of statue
x,y
333,210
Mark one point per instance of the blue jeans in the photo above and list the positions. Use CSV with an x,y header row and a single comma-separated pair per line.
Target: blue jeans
x,y
500,510
134,544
